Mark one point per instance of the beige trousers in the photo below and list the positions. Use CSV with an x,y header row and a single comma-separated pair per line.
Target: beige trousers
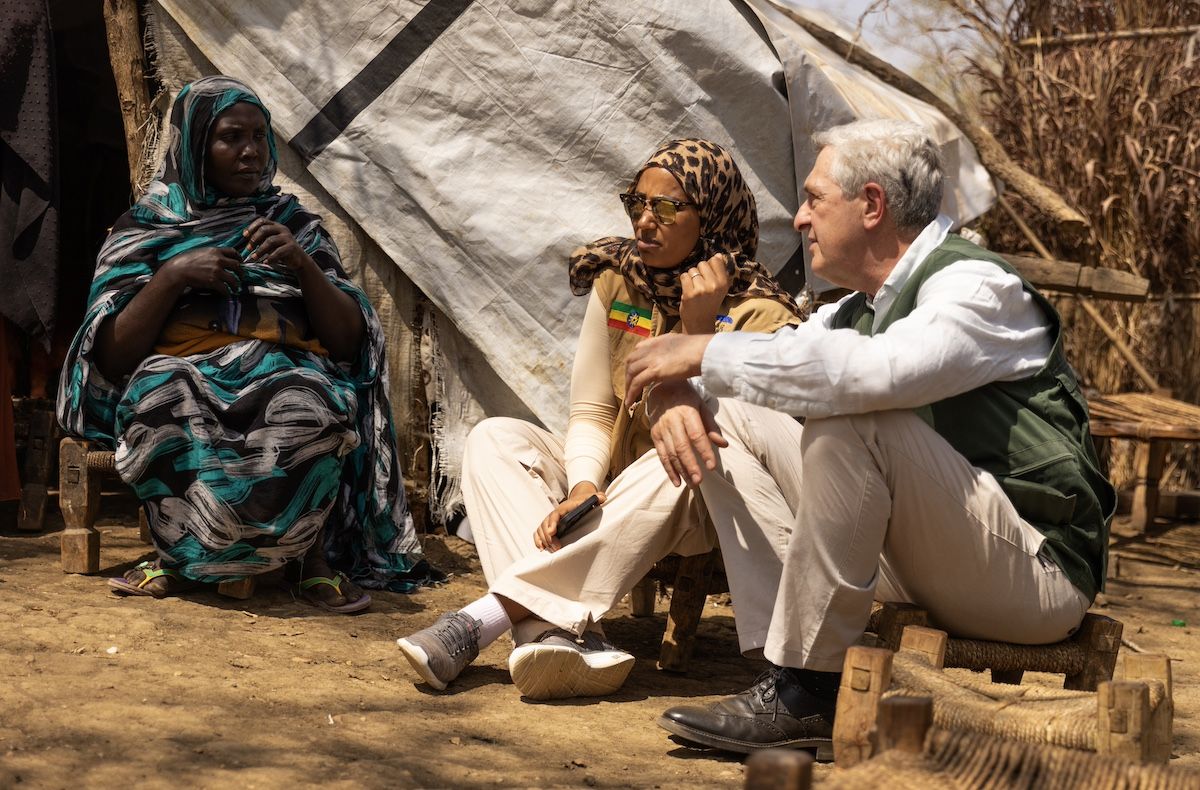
x,y
513,476
877,506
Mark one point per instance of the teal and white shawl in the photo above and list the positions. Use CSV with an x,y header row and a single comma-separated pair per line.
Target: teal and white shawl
x,y
242,454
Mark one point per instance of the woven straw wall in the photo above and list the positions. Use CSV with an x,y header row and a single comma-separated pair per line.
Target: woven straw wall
x,y
1109,119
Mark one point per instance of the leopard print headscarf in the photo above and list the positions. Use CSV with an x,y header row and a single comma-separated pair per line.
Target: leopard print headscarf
x,y
728,225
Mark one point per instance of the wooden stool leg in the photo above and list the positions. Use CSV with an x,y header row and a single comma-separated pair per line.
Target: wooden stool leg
x,y
1123,723
39,465
894,617
866,674
903,723
1100,638
79,498
1149,460
928,643
641,597
1011,677
240,589
779,769
687,605
1155,669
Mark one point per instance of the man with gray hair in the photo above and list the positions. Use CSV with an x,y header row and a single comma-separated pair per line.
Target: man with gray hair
x,y
945,457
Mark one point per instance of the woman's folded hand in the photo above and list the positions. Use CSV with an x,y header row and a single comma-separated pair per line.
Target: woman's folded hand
x,y
205,268
273,244
704,288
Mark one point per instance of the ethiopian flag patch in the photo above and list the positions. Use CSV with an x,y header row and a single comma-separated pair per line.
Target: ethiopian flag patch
x,y
628,318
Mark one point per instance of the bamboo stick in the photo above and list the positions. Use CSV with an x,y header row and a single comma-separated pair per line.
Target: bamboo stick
x,y
1112,35
1122,348
125,54
991,153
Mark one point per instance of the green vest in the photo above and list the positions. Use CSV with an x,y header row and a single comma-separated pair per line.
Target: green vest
x,y
1031,435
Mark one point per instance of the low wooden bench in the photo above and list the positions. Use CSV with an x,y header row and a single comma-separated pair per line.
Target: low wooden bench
x,y
910,753
1131,717
1153,421
1085,659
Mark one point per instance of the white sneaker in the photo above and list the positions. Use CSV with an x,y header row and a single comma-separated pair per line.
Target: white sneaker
x,y
558,664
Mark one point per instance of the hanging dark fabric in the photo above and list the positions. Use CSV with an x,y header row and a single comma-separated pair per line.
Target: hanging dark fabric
x,y
28,169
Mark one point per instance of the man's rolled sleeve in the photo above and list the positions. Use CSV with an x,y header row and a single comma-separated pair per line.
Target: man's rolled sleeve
x,y
721,368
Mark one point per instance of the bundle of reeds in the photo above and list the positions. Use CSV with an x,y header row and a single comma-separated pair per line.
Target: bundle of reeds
x,y
1101,100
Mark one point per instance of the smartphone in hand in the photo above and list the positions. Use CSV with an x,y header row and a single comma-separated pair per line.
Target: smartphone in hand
x,y
572,517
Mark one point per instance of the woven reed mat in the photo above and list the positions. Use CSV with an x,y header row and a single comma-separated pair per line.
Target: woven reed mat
x,y
971,760
1066,657
1032,714
1144,416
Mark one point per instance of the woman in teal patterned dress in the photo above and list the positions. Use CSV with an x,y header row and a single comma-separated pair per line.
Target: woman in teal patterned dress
x,y
240,376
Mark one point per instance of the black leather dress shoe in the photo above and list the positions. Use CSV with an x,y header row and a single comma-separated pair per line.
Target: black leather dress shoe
x,y
757,719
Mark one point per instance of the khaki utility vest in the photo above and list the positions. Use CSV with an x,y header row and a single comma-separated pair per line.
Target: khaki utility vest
x,y
632,318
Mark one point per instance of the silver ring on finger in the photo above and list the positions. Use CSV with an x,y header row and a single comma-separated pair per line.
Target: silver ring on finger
x,y
694,273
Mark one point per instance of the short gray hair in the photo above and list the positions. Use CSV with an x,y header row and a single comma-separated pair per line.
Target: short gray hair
x,y
900,156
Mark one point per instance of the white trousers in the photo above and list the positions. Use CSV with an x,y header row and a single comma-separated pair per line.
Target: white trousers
x,y
847,510
513,476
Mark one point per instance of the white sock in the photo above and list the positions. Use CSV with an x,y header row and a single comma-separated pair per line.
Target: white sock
x,y
490,612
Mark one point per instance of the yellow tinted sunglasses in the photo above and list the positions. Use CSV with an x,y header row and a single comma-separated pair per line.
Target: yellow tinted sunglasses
x,y
664,209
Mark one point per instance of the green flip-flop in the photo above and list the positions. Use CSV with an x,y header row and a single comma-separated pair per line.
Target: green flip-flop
x,y
149,573
336,583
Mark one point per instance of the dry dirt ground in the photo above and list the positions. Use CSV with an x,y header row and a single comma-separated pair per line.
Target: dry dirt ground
x,y
206,691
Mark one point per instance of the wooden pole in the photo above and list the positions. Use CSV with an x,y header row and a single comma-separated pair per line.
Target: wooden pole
x,y
414,440
1045,42
1118,342
125,53
991,153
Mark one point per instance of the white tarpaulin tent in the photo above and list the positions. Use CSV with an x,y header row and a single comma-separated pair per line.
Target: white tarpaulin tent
x,y
477,142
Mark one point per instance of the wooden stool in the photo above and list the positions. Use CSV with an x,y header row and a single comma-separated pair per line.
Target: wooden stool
x,y
241,589
81,470
1131,718
1085,659
692,580
36,429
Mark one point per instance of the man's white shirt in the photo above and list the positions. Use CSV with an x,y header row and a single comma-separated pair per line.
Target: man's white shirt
x,y
972,324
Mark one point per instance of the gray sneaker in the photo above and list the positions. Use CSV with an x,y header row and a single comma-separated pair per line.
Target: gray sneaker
x,y
559,664
443,650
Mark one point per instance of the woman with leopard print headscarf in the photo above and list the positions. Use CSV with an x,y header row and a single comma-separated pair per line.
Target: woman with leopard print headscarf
x,y
689,267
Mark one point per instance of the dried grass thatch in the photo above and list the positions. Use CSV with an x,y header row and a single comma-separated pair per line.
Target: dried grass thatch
x,y
1101,99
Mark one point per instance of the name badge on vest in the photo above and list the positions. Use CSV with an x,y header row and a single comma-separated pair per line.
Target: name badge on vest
x,y
627,318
